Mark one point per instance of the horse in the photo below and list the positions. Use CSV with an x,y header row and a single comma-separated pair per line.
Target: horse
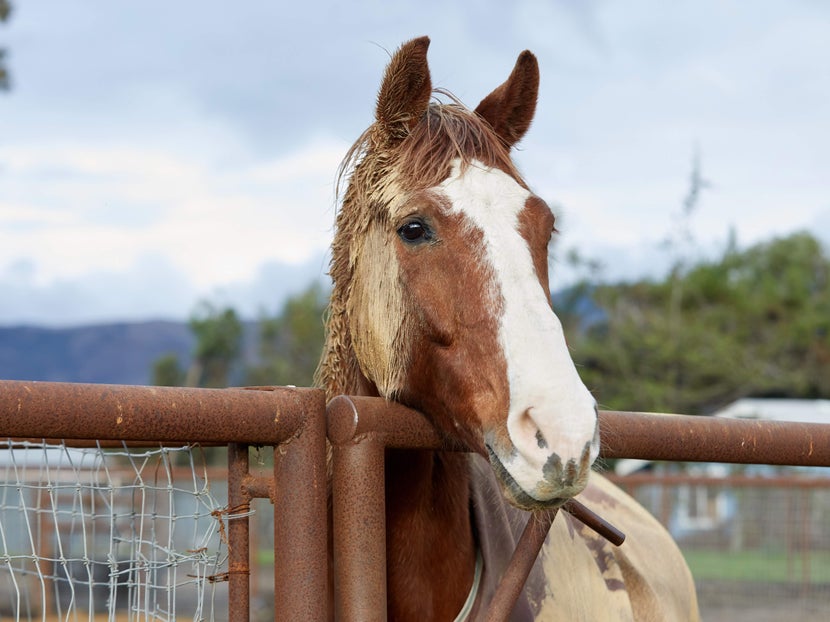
x,y
441,302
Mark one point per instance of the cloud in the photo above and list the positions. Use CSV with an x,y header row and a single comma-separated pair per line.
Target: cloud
x,y
109,206
96,232
202,143
151,288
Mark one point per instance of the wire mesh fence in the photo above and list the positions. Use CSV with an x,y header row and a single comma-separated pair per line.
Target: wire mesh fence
x,y
98,533
758,546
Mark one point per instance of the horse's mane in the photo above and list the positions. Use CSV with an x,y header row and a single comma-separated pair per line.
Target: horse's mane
x,y
372,178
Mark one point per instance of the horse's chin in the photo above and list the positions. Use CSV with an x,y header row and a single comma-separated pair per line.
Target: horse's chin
x,y
515,494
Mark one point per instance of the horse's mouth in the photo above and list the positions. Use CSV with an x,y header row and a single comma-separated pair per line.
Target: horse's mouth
x,y
515,494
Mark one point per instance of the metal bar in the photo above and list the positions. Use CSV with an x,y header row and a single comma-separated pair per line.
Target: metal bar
x,y
351,417
713,439
301,520
87,443
527,550
133,413
629,435
594,521
729,481
359,518
239,555
359,532
259,486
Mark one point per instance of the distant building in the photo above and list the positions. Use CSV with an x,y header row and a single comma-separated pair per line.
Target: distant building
x,y
698,509
769,409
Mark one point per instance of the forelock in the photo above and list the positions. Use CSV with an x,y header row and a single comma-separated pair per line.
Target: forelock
x,y
377,173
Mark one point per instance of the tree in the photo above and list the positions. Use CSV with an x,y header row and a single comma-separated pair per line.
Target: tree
x,y
288,346
290,342
217,353
218,349
168,372
5,12
750,323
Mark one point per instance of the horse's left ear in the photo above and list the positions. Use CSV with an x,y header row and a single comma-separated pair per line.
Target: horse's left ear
x,y
405,90
510,108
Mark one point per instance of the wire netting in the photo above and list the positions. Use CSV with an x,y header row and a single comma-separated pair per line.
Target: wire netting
x,y
118,534
758,546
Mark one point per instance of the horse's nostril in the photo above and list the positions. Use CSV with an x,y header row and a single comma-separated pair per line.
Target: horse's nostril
x,y
552,470
540,440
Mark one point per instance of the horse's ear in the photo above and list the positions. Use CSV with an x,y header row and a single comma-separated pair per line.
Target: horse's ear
x,y
510,108
405,91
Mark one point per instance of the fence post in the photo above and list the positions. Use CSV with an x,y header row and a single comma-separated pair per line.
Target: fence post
x,y
359,507
239,554
359,515
300,517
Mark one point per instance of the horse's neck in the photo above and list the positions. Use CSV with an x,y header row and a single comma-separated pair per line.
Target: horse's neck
x,y
429,540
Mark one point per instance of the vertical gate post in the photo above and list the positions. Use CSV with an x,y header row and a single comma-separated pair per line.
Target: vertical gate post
x,y
359,507
300,518
239,556
359,517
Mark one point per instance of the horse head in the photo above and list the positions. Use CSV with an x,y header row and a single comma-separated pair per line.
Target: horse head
x,y
441,298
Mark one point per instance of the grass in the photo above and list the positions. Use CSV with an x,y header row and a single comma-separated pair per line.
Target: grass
x,y
758,566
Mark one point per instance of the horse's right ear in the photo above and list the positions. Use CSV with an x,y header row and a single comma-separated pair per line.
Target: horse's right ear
x,y
405,91
510,108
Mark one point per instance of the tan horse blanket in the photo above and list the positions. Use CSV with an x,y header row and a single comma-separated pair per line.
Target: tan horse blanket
x,y
579,576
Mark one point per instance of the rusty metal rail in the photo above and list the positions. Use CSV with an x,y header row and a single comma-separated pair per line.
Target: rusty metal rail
x,y
172,414
682,438
359,429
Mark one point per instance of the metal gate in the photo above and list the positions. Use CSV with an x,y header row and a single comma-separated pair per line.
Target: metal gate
x,y
297,423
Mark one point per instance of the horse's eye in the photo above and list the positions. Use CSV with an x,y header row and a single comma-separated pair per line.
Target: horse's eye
x,y
414,231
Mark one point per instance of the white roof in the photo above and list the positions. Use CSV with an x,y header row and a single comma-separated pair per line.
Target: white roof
x,y
773,409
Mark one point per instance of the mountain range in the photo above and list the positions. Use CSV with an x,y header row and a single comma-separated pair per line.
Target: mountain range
x,y
119,353
124,352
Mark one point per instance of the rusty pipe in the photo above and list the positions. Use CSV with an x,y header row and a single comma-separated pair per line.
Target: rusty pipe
x,y
527,550
238,534
685,438
60,410
301,521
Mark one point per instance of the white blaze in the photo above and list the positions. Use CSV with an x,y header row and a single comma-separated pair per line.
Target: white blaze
x,y
550,412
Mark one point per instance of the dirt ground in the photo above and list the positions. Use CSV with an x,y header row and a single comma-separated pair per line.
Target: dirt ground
x,y
737,602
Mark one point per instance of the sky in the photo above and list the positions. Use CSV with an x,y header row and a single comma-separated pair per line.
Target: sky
x,y
156,154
